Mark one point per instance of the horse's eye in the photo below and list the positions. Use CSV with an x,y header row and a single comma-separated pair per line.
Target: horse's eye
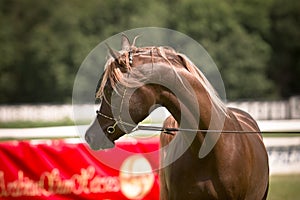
x,y
98,100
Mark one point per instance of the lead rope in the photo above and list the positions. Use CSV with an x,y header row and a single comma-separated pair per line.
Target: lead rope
x,y
170,130
111,129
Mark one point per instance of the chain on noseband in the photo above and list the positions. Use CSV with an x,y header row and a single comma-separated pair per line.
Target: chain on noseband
x,y
110,129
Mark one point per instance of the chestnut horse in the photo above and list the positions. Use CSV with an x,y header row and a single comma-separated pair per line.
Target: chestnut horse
x,y
229,162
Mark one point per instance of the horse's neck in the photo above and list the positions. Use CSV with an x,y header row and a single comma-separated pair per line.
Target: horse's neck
x,y
183,94
193,109
196,110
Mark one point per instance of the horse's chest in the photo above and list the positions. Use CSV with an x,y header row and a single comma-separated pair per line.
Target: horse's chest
x,y
187,179
186,188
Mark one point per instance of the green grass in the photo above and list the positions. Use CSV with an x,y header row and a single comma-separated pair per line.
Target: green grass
x,y
284,187
282,134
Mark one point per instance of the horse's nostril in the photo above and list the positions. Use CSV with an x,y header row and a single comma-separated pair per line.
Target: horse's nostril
x,y
87,138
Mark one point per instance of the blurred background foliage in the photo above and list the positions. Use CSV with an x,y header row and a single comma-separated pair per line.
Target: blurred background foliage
x,y
254,43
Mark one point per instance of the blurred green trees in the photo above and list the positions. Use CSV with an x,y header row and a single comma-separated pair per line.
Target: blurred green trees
x,y
42,43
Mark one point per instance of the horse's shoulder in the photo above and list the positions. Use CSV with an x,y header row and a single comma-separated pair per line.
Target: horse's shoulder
x,y
245,119
170,122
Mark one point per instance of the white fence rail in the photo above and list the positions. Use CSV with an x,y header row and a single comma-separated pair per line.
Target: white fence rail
x,y
260,110
271,110
35,113
283,158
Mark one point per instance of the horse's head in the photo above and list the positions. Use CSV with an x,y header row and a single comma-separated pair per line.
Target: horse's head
x,y
121,106
135,80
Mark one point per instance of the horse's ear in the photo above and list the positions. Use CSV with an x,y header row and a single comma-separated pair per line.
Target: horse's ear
x,y
184,61
134,40
113,53
125,43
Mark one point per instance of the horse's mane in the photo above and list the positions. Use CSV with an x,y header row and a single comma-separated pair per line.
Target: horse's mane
x,y
115,68
191,67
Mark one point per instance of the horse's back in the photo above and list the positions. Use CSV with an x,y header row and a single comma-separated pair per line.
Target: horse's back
x,y
245,119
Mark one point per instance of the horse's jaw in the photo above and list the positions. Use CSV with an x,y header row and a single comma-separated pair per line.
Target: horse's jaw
x,y
96,138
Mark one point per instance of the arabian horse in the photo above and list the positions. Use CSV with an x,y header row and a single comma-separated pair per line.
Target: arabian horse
x,y
233,163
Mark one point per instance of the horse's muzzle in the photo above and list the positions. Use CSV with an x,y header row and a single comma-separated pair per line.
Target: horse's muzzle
x,y
96,138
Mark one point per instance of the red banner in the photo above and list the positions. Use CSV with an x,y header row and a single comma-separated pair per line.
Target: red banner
x,y
64,169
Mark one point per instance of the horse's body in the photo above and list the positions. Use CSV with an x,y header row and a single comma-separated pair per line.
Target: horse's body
x,y
227,172
237,165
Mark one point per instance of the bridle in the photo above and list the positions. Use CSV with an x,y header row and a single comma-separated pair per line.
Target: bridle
x,y
118,120
111,129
